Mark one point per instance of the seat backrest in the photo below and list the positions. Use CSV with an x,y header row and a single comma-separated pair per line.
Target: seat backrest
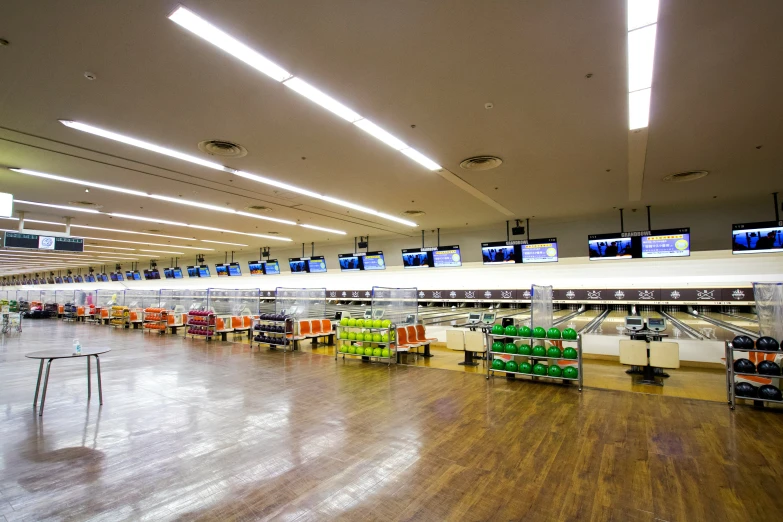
x,y
247,321
455,339
474,342
326,326
304,327
315,326
402,337
664,354
633,353
236,322
421,333
411,331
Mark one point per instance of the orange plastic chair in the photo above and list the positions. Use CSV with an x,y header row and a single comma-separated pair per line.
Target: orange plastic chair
x,y
315,327
304,328
421,334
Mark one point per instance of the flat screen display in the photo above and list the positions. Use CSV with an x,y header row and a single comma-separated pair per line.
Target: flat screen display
x,y
38,242
177,271
119,276
757,238
671,242
234,270
152,274
540,251
373,261
446,257
221,270
416,258
129,275
255,267
666,245
113,276
69,279
203,271
350,262
271,267
87,279
297,265
168,273
105,278
192,271
500,253
136,275
79,279
316,264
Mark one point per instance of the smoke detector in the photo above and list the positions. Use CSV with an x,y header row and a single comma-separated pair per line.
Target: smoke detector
x,y
688,175
223,148
481,163
258,208
413,213
84,204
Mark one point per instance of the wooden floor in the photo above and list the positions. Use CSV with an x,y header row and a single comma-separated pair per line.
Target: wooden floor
x,y
214,431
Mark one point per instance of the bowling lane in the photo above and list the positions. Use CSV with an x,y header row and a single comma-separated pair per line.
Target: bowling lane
x,y
671,331
708,330
579,322
613,324
736,321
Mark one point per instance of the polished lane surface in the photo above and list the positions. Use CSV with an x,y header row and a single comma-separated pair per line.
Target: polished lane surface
x,y
215,431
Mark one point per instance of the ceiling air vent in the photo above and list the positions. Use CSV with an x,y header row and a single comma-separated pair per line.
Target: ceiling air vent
x,y
258,208
688,175
413,213
84,204
223,148
481,163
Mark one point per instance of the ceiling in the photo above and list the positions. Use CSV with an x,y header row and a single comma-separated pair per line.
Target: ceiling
x,y
423,71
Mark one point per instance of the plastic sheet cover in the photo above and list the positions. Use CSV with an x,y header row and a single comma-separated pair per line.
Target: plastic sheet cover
x,y
398,305
541,306
142,298
234,302
302,303
184,300
769,307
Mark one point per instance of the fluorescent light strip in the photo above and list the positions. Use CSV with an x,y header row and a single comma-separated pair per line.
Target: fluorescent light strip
x,y
641,13
109,246
232,46
215,36
642,28
140,243
223,243
641,55
63,207
161,251
201,227
324,229
639,109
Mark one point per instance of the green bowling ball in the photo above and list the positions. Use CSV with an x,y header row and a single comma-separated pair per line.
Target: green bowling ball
x,y
569,372
497,329
343,349
497,346
384,338
524,349
369,337
343,335
554,371
525,367
539,351
385,352
539,332
352,322
351,336
376,323
511,348
553,333
376,352
570,353
360,323
498,364
539,369
385,323
554,352
511,366
376,337
569,333
344,321
510,330
368,351
525,331
352,349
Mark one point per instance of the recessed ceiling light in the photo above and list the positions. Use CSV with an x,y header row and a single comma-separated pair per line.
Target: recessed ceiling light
x,y
223,148
481,163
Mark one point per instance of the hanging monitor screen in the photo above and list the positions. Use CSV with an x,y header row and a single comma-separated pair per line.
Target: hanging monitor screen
x,y
221,270
500,253
203,271
540,251
255,267
416,258
151,274
234,270
349,262
672,242
448,256
373,261
271,267
361,261
757,238
39,242
172,273
168,274
316,264
297,265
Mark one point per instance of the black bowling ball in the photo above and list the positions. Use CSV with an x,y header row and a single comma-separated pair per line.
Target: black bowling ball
x,y
768,344
742,342
768,368
744,366
770,393
745,389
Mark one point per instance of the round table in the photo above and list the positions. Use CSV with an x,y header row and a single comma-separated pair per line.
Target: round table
x,y
50,355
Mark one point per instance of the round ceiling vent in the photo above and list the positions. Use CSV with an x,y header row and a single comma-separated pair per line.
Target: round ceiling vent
x,y
258,208
414,213
481,163
84,204
223,148
688,175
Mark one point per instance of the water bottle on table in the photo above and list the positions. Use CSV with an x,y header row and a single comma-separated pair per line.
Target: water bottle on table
x,y
77,347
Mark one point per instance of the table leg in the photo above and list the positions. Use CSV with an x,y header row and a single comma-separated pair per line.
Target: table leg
x,y
468,359
89,380
100,388
38,384
46,384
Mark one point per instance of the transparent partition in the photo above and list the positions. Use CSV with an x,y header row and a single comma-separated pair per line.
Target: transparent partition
x,y
48,297
63,297
234,302
541,307
21,295
769,306
142,298
3,295
302,303
398,305
108,298
184,300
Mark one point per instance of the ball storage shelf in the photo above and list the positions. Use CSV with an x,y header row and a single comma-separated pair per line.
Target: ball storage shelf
x,y
343,341
537,341
280,332
731,374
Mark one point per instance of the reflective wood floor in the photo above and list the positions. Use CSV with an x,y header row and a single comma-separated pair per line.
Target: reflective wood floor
x,y
192,430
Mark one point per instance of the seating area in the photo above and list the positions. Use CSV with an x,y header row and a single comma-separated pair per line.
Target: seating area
x,y
469,342
649,357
